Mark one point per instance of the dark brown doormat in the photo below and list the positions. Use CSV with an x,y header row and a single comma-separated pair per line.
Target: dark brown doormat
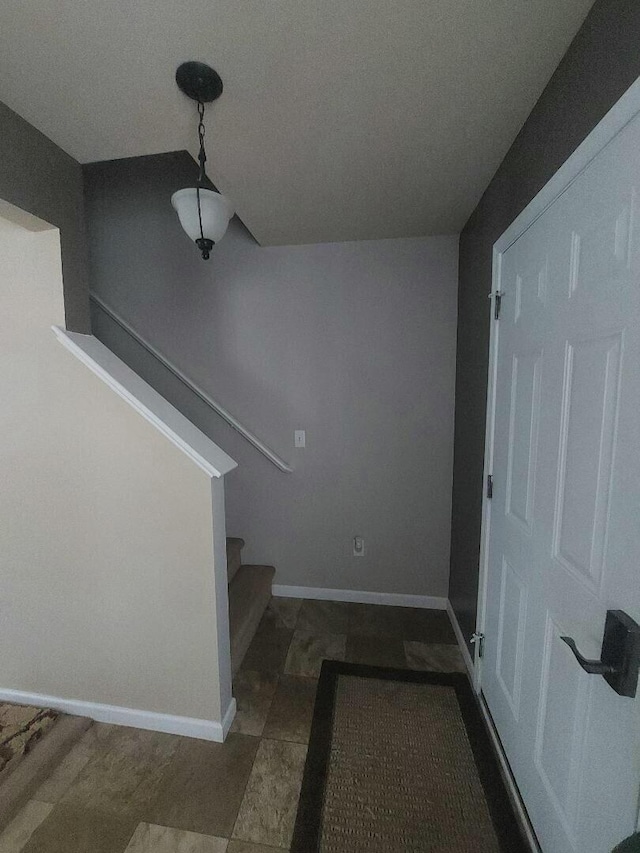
x,y
401,761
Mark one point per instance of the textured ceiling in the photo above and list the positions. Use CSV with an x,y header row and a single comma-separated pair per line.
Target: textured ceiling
x,y
340,119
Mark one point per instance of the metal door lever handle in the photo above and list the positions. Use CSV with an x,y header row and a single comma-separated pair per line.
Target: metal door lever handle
x,y
620,655
593,667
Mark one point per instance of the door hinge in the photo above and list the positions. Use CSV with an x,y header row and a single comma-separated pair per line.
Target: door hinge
x,y
490,486
478,639
497,303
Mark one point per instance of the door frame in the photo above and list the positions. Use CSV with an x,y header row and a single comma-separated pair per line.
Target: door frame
x,y
622,112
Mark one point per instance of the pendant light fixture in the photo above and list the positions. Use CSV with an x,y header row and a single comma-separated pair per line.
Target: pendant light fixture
x,y
203,213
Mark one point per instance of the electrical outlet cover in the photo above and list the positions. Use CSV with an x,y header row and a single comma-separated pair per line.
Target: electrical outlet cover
x,y
358,546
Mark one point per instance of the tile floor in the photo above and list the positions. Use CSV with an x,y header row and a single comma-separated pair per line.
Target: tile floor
x,y
124,790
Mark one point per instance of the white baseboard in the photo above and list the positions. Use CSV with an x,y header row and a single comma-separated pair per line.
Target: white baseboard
x,y
228,718
187,726
430,602
457,630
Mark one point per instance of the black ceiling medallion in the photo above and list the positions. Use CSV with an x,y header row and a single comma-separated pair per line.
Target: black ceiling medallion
x,y
199,82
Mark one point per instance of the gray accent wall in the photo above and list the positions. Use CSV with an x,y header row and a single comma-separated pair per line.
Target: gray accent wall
x,y
40,178
353,342
601,63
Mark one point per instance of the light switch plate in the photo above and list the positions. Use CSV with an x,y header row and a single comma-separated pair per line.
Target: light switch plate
x,y
299,438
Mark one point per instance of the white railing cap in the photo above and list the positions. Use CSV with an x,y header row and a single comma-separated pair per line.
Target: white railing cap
x,y
147,402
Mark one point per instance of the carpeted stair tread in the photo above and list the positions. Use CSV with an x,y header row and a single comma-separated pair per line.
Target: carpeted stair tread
x,y
234,558
249,595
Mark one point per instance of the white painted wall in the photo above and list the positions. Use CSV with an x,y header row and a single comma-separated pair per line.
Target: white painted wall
x,y
107,590
353,342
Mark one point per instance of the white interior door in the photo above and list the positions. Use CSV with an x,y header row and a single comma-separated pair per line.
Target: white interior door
x,y
564,535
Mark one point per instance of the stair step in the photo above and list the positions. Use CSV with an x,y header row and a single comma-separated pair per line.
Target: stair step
x,y
249,595
234,558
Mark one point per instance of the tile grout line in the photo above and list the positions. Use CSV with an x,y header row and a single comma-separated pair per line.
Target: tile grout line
x,y
280,673
260,739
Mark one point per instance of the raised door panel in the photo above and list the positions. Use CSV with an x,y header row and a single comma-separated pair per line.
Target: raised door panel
x,y
523,438
587,441
560,735
511,633
531,287
602,242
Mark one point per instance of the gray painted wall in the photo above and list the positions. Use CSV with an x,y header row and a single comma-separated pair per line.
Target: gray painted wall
x,y
37,176
601,63
354,342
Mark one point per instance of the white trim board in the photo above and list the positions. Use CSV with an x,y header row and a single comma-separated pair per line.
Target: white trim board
x,y
620,114
23,218
147,402
457,630
429,602
118,715
196,389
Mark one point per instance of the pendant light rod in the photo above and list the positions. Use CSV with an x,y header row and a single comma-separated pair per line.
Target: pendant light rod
x,y
202,243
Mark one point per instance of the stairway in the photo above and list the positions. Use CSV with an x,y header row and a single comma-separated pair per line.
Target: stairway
x,y
249,594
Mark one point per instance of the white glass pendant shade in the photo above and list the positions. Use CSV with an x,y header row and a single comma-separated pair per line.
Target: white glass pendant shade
x,y
215,208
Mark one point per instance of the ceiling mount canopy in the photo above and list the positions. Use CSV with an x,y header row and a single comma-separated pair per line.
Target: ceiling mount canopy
x,y
199,82
204,214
